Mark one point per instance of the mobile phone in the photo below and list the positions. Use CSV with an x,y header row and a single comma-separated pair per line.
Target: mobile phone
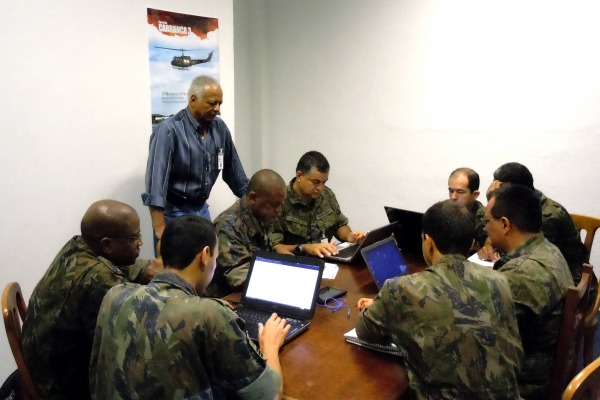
x,y
329,292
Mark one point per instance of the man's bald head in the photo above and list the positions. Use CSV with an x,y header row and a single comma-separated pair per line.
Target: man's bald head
x,y
112,229
265,194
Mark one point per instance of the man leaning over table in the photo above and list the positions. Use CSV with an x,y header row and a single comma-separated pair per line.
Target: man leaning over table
x,y
454,323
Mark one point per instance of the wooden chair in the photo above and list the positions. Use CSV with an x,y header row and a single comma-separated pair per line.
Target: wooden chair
x,y
589,225
569,336
586,385
14,310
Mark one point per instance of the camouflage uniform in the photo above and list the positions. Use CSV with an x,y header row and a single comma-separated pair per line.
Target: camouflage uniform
x,y
59,328
478,210
306,222
455,325
240,236
539,277
559,229
163,341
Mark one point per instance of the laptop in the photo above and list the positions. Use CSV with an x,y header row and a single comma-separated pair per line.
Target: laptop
x,y
409,227
285,284
384,261
349,252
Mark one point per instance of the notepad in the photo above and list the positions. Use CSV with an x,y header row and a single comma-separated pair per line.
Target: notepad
x,y
351,337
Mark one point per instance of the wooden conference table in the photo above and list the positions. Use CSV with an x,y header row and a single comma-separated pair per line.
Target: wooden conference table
x,y
320,364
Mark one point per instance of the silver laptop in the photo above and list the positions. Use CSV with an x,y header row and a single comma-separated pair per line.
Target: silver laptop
x,y
384,261
350,252
285,284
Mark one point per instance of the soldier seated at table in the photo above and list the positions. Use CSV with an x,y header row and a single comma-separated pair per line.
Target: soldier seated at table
x,y
455,322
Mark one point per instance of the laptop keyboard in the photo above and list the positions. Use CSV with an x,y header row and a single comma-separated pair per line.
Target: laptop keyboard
x,y
346,252
253,317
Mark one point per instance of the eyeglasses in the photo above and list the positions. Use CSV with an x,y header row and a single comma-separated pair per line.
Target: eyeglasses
x,y
135,238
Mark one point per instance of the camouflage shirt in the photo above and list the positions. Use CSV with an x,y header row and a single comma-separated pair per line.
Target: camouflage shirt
x,y
59,328
559,229
478,210
455,325
307,222
240,235
163,341
539,277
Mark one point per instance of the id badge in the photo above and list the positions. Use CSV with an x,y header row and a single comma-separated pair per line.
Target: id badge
x,y
220,159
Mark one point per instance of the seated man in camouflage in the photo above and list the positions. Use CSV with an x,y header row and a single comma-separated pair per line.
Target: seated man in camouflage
x,y
454,322
463,187
61,318
538,276
311,213
164,341
557,225
246,227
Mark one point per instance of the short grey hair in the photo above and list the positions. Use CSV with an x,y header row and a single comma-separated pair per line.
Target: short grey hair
x,y
199,83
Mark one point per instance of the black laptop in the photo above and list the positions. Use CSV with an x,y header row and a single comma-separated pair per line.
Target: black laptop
x,y
285,284
384,261
349,252
409,227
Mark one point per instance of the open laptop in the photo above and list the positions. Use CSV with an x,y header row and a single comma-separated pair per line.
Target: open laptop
x,y
349,252
285,284
384,261
409,226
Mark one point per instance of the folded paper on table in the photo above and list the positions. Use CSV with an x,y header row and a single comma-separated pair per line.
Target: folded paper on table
x,y
351,337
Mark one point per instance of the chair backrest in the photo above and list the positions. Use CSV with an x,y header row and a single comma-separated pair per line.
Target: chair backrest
x,y
14,310
589,225
570,334
586,384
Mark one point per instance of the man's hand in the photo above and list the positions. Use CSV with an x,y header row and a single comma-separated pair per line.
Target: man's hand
x,y
272,334
355,237
364,303
320,249
488,253
154,268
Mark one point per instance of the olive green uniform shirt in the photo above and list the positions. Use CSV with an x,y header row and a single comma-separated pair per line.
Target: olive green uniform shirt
x,y
455,325
307,222
539,278
163,341
59,327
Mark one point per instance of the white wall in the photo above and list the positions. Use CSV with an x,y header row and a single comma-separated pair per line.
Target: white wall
x,y
397,94
75,106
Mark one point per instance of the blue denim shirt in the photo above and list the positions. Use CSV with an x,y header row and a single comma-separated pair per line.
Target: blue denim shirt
x,y
183,165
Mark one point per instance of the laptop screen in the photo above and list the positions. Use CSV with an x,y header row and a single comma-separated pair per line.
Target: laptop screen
x,y
384,261
283,283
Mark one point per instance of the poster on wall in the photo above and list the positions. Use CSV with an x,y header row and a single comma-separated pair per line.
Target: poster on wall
x,y
181,47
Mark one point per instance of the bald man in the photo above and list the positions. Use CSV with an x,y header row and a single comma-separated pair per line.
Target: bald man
x,y
245,227
59,328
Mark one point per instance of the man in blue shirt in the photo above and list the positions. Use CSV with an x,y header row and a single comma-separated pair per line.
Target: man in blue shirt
x,y
187,153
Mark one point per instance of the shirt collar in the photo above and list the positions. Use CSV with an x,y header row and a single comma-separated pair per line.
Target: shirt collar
x,y
172,279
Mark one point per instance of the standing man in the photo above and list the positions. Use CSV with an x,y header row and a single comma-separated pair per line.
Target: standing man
x,y
454,322
246,227
164,341
187,153
311,213
538,276
59,327
463,187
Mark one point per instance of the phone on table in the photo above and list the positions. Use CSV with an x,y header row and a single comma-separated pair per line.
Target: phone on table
x,y
329,292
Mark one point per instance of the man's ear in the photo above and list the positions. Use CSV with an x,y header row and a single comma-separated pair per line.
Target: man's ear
x,y
429,245
106,245
476,194
204,257
506,225
298,174
252,197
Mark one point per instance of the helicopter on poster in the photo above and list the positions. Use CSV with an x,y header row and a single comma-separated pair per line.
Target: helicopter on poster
x,y
183,61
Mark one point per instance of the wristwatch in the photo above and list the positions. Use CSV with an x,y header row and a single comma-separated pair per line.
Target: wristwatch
x,y
298,250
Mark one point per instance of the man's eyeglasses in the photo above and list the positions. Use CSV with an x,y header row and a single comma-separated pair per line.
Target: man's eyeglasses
x,y
485,220
135,238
